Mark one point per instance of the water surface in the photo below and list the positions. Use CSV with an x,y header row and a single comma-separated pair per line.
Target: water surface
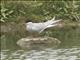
x,y
69,49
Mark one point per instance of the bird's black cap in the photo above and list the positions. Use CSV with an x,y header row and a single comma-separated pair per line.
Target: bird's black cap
x,y
29,20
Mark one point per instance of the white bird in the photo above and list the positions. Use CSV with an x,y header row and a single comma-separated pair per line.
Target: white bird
x,y
40,27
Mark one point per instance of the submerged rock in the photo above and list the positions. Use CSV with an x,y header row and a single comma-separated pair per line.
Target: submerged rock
x,y
39,42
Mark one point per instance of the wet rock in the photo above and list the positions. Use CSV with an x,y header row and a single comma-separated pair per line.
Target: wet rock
x,y
39,42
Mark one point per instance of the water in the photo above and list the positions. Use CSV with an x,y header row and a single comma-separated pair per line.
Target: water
x,y
46,54
69,49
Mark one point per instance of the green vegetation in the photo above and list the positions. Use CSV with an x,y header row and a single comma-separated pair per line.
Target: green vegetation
x,y
39,10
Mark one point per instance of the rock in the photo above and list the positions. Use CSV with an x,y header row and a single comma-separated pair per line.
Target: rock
x,y
40,42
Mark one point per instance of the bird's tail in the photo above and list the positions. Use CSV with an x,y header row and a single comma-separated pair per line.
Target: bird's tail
x,y
52,21
51,25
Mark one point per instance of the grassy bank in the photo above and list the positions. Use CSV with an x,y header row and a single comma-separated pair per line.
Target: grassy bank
x,y
16,11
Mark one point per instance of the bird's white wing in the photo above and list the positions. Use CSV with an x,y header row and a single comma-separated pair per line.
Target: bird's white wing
x,y
52,25
52,21
38,26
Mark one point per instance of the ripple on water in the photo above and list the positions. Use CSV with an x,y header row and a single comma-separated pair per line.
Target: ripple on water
x,y
46,54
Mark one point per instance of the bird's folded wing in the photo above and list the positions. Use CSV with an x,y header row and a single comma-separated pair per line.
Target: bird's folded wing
x,y
39,26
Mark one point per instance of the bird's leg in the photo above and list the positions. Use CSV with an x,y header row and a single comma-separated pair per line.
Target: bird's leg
x,y
33,35
29,34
